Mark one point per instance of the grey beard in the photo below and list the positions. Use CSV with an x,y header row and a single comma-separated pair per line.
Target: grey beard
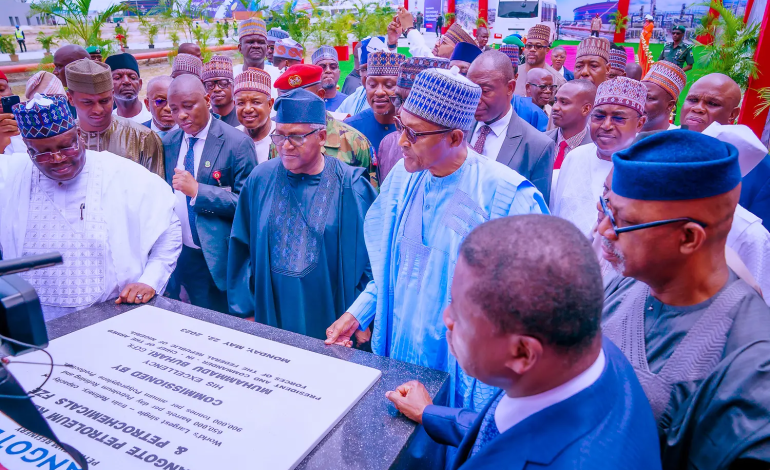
x,y
126,100
328,86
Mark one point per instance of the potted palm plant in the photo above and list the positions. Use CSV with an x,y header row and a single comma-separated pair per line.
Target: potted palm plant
x,y
619,21
449,18
46,42
151,30
174,37
7,47
339,27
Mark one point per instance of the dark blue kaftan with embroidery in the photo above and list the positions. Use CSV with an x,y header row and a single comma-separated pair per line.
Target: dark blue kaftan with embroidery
x,y
297,259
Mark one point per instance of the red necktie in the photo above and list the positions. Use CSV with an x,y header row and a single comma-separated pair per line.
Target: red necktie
x,y
560,156
483,133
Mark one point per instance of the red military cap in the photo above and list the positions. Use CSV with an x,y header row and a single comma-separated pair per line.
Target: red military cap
x,y
299,76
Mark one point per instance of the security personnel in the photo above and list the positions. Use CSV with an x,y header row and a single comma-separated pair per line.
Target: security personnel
x,y
20,38
677,51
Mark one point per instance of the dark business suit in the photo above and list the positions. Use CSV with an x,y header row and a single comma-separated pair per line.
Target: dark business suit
x,y
607,426
553,134
148,124
527,151
231,153
568,74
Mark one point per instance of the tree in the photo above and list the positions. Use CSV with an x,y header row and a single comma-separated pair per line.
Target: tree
x,y
46,42
732,50
182,14
83,27
296,23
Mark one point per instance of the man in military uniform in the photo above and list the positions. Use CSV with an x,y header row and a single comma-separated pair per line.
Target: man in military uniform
x,y
677,51
342,141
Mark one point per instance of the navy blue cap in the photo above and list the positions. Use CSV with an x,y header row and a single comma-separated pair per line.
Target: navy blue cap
x,y
299,106
122,61
465,52
676,165
364,53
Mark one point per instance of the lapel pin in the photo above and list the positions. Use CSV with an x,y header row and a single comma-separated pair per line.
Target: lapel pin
x,y
207,164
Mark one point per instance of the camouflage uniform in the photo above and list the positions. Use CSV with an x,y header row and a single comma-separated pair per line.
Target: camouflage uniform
x,y
345,144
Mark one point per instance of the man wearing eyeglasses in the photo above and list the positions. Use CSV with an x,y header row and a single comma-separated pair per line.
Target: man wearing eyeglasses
x,y
297,259
537,47
697,336
207,162
617,117
91,91
112,220
217,76
326,57
540,89
157,102
440,191
127,84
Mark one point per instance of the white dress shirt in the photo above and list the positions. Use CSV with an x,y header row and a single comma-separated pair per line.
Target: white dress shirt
x,y
512,411
181,199
495,138
263,146
143,116
158,130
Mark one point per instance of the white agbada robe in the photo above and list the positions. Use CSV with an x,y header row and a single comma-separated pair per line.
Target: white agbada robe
x,y
263,146
580,183
751,241
114,225
143,116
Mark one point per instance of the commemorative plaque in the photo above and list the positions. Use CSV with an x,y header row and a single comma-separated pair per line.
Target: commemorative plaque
x,y
154,389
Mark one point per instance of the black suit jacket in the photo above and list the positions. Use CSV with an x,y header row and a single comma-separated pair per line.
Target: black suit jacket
x,y
527,151
568,74
231,152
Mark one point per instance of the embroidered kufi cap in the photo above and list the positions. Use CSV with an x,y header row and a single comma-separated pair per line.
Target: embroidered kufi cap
x,y
412,66
384,64
594,46
675,165
122,61
539,31
184,63
512,51
44,83
325,53
622,91
457,34
43,116
88,76
299,106
288,49
218,67
276,34
668,76
253,80
252,26
465,52
444,97
618,59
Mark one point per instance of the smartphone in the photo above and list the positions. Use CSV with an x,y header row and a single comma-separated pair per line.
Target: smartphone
x,y
8,102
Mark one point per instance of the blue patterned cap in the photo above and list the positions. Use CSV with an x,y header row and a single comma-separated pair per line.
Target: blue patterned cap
x,y
43,116
414,65
384,64
276,34
324,53
444,97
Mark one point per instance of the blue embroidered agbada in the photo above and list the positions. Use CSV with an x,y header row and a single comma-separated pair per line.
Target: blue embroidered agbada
x,y
413,233
297,257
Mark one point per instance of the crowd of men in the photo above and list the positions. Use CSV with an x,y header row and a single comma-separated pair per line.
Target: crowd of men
x,y
589,274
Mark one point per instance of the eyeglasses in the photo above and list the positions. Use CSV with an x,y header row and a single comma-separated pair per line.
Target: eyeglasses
x,y
396,100
296,140
412,136
616,120
537,47
544,87
160,103
211,84
45,157
631,228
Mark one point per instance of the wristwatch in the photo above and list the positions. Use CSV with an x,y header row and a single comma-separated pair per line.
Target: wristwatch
x,y
407,30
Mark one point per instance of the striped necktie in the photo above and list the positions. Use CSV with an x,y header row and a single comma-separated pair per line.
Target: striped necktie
x,y
488,430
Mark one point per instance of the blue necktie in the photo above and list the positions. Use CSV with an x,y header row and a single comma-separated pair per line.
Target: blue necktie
x,y
161,134
189,165
488,429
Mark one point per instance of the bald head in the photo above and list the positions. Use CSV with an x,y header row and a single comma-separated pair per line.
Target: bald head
x,y
156,84
712,98
538,87
189,103
574,102
581,89
186,84
493,62
538,76
64,56
634,71
190,48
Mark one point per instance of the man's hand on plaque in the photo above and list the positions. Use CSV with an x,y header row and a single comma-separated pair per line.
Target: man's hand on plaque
x,y
136,293
411,399
363,337
342,330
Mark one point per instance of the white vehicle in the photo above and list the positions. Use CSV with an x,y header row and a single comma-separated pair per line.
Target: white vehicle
x,y
517,16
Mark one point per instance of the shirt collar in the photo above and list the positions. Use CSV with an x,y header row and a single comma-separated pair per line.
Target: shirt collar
x,y
203,132
575,140
498,127
512,411
155,128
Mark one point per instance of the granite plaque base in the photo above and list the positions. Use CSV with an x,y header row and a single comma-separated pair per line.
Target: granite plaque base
x,y
185,388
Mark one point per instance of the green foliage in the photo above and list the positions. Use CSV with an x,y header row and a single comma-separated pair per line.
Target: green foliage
x,y
7,45
43,64
764,95
202,38
82,26
733,48
449,18
219,33
182,14
481,22
150,27
46,41
340,26
380,19
296,23
619,21
174,37
371,19
254,5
